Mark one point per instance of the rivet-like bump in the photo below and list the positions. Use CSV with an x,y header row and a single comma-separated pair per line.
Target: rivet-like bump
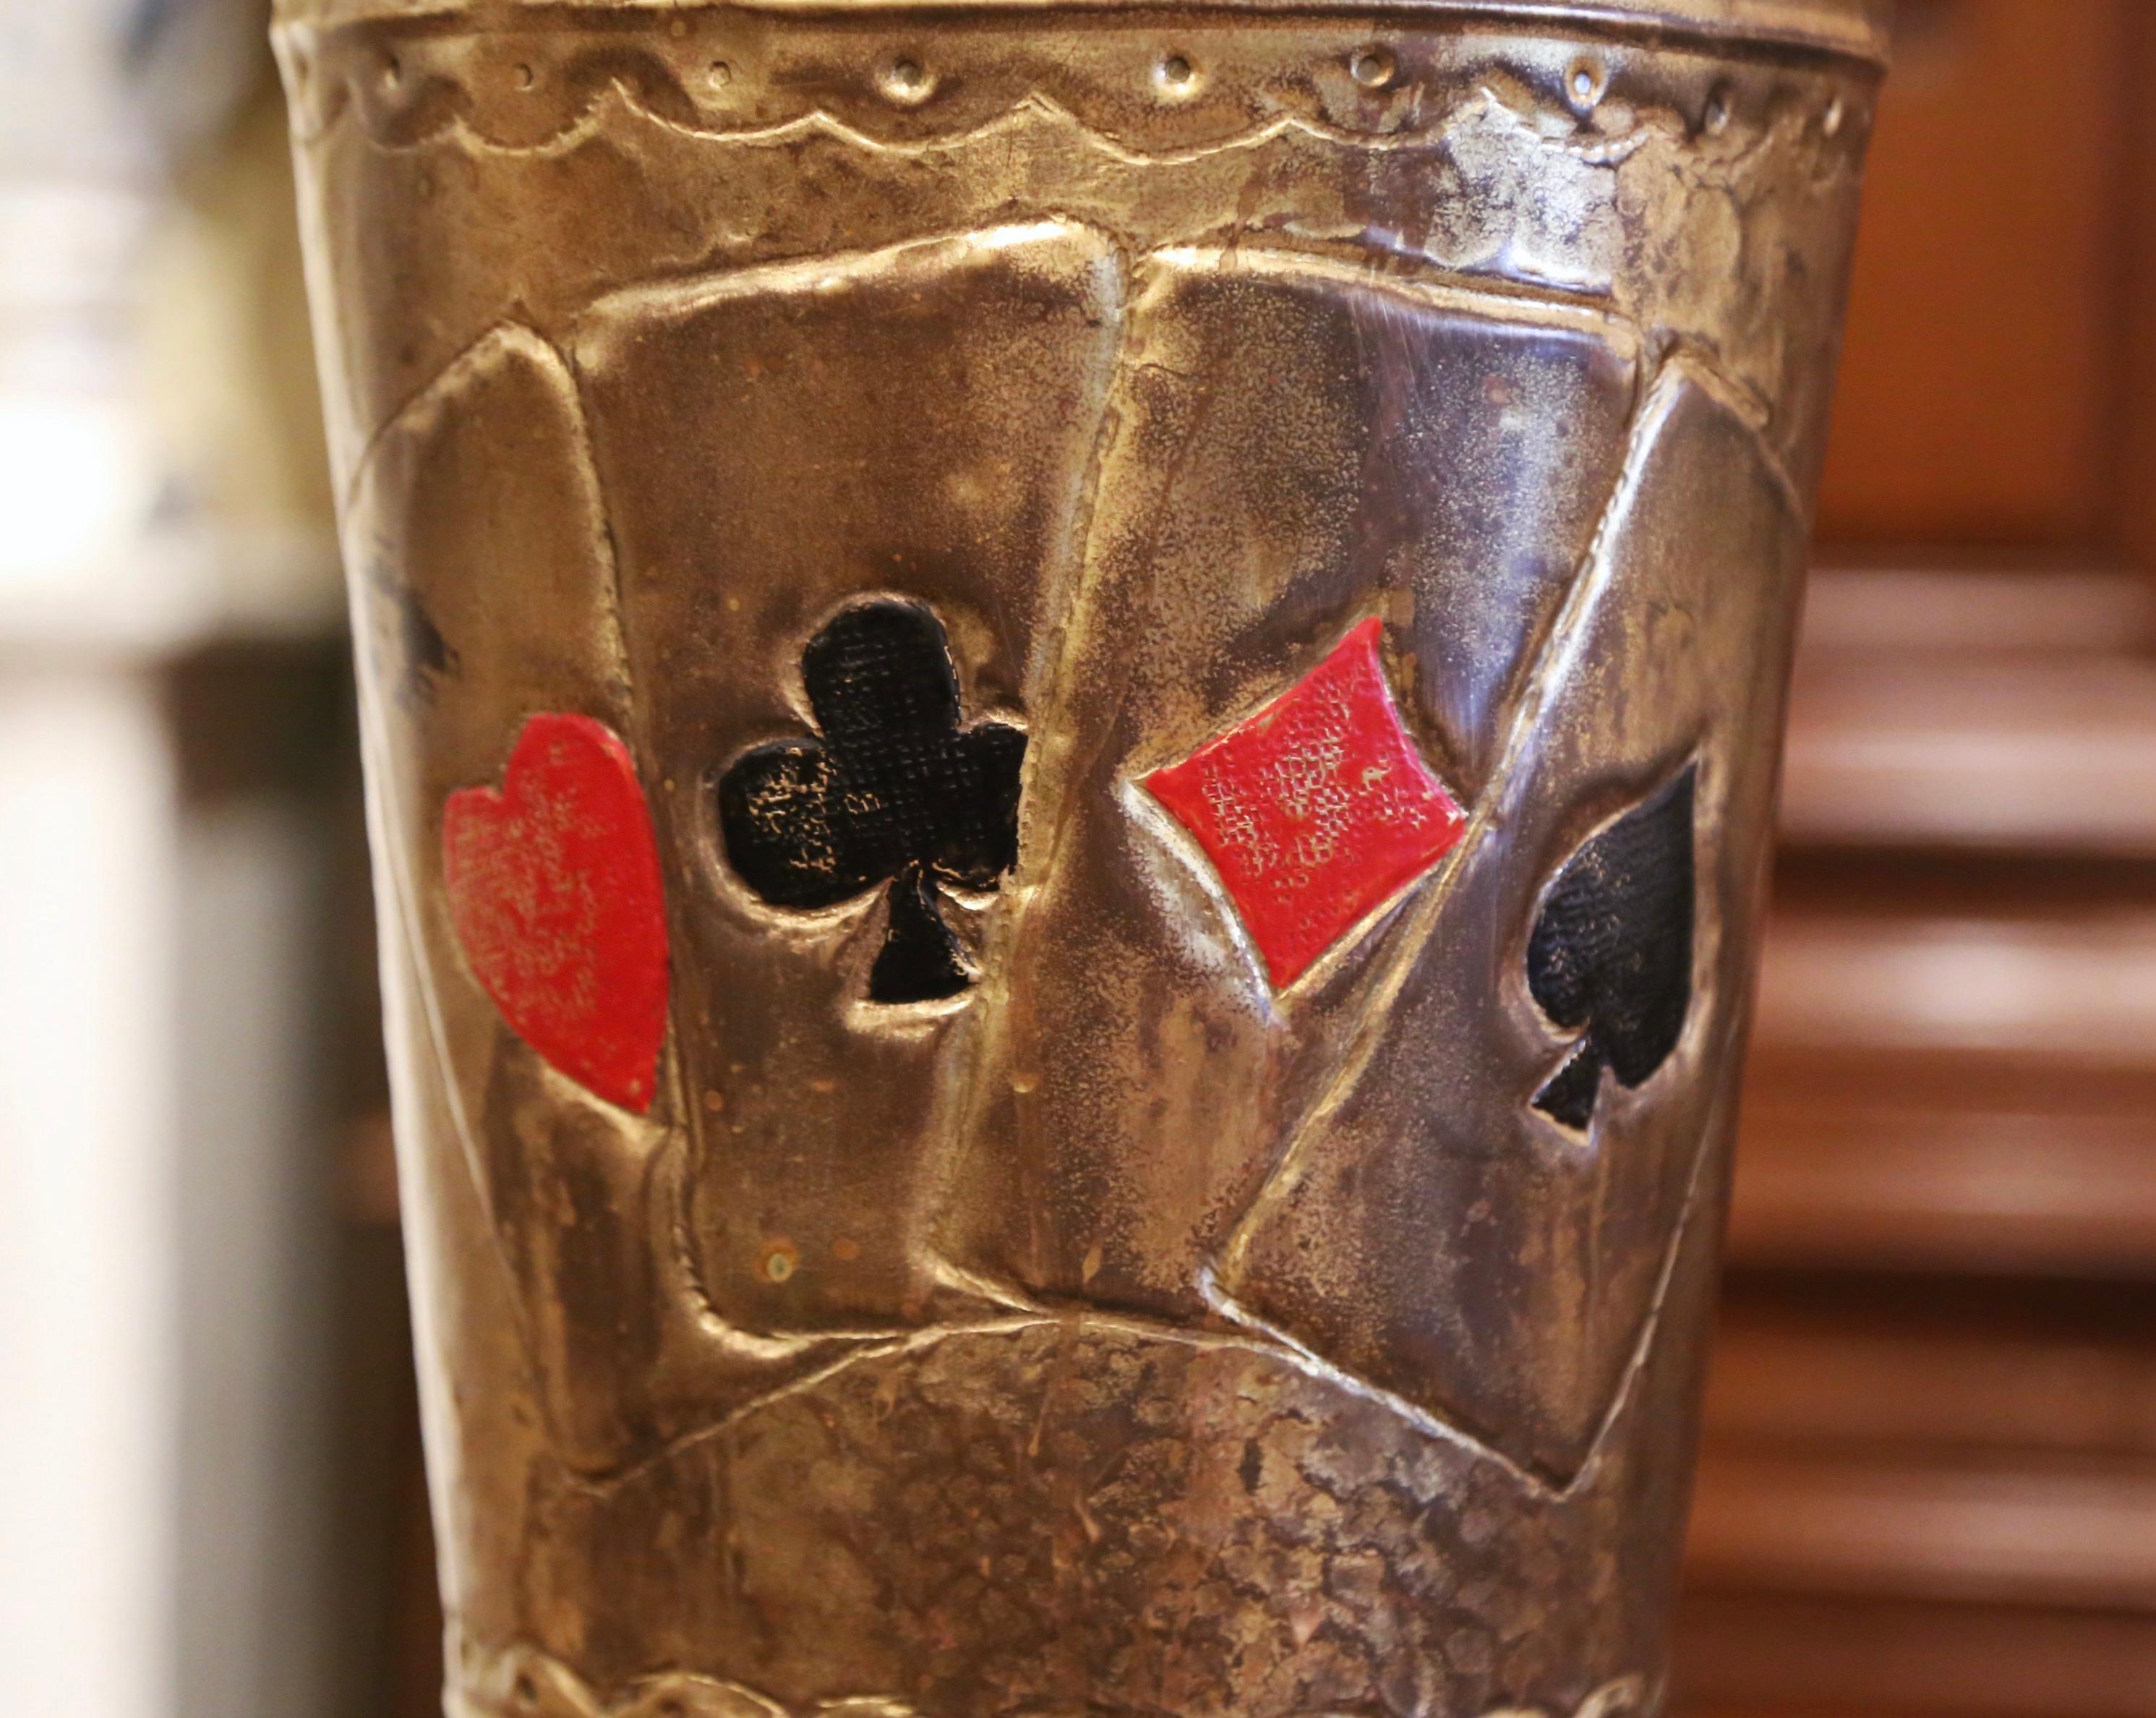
x,y
1586,81
1175,74
1372,67
905,81
1716,118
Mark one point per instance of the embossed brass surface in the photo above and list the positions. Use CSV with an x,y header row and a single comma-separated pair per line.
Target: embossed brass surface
x,y
1194,604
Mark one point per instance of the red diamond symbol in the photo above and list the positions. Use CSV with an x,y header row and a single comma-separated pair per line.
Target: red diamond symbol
x,y
1315,810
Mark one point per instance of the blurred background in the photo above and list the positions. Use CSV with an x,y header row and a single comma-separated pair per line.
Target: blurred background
x,y
1929,1482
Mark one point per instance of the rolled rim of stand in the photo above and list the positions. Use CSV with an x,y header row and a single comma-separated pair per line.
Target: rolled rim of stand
x,y
1850,28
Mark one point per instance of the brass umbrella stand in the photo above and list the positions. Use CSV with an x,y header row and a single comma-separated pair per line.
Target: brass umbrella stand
x,y
1072,715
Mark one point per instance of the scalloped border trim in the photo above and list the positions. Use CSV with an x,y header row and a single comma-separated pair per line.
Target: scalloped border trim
x,y
433,97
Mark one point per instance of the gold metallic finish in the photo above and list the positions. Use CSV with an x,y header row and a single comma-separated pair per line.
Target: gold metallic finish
x,y
1856,29
1110,1318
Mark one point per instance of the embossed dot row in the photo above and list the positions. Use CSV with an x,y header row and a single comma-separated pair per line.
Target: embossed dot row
x,y
904,80
907,82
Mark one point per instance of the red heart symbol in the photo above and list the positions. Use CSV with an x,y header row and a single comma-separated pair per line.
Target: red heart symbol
x,y
554,889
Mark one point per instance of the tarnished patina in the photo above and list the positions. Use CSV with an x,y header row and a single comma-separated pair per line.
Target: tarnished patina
x,y
1072,718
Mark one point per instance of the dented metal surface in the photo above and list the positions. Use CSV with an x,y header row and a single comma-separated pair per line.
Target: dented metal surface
x,y
1087,1307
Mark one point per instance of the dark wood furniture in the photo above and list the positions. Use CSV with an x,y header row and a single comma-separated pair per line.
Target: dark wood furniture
x,y
1929,1480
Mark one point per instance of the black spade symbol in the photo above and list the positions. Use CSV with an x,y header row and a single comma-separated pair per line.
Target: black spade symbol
x,y
895,790
1610,956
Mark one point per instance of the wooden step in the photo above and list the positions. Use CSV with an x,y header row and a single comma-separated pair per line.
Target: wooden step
x,y
1744,1656
1970,711
1916,1526
1948,1375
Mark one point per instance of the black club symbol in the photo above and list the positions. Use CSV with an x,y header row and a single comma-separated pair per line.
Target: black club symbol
x,y
895,790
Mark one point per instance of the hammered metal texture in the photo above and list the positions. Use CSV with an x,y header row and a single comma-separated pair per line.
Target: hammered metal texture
x,y
1062,1268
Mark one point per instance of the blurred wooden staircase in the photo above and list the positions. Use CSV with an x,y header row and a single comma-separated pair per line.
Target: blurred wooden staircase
x,y
1928,1483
